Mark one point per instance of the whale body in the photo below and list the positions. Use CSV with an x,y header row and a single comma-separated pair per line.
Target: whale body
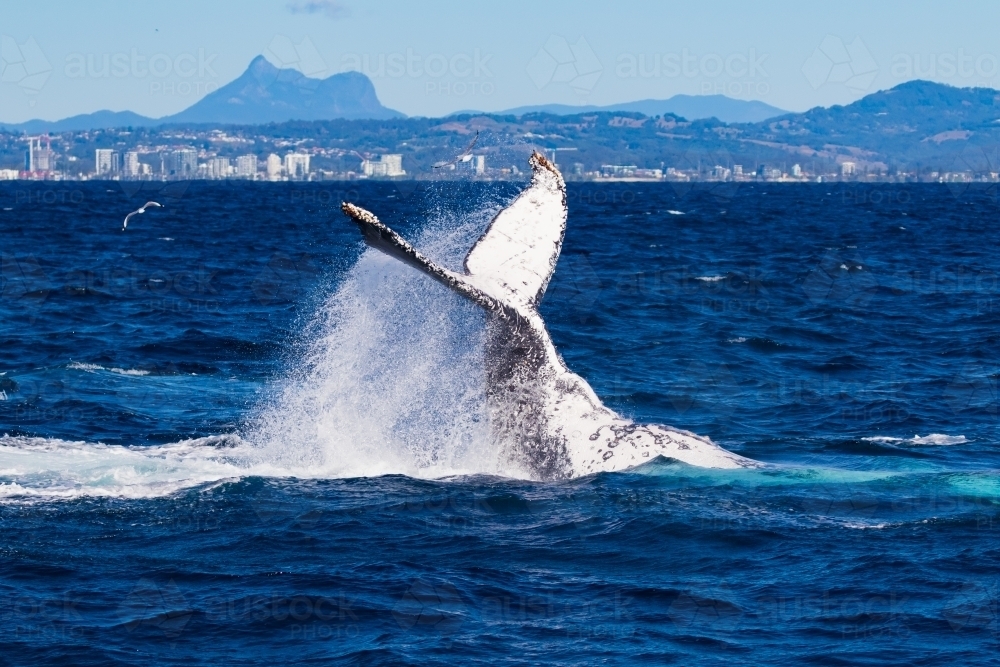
x,y
546,419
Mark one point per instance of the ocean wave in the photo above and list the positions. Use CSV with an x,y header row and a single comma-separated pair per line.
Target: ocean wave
x,y
710,279
91,368
932,439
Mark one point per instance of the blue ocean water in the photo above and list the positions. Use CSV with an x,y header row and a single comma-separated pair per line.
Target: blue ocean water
x,y
231,435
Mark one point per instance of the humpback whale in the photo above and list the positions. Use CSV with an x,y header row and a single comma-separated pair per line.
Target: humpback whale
x,y
546,419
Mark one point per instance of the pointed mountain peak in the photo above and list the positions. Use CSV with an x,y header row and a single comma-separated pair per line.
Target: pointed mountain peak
x,y
261,65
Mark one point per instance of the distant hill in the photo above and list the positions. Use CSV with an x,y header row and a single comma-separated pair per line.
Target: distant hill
x,y
266,94
691,107
262,94
88,121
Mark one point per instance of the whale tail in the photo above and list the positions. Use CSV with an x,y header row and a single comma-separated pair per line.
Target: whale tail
x,y
547,418
511,264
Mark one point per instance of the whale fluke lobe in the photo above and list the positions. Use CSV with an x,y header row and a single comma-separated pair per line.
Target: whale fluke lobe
x,y
546,419
380,237
517,254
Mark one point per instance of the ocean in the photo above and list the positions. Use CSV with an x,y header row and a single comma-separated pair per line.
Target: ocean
x,y
232,435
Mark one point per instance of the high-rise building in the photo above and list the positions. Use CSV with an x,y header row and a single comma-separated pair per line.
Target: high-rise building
x,y
218,167
131,166
476,164
390,164
37,157
721,173
797,171
297,165
246,166
182,163
273,167
847,168
105,162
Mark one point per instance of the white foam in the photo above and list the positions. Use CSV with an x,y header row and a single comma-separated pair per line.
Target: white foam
x,y
738,339
710,279
92,368
61,469
672,212
939,439
933,439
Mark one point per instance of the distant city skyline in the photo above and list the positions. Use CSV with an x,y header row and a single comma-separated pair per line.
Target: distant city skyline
x,y
435,58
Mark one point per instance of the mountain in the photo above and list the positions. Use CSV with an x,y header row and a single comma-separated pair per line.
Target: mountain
x,y
262,94
82,122
691,107
266,94
915,122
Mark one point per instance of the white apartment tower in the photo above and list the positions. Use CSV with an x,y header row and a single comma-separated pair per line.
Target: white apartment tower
x,y
273,167
390,164
297,165
131,166
105,162
246,166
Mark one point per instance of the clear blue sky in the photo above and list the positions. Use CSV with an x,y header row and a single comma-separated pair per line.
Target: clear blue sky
x,y
442,56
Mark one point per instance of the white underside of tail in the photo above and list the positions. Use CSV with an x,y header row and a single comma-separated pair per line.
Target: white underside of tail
x,y
598,440
507,272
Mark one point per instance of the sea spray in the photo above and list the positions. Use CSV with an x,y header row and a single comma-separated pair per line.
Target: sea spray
x,y
391,374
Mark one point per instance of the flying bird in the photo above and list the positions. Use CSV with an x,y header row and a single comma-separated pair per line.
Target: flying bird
x,y
465,155
141,209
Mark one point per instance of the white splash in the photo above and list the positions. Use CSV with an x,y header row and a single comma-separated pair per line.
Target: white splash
x,y
391,378
932,439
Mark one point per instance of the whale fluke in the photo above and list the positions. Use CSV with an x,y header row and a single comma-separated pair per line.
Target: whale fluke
x,y
547,420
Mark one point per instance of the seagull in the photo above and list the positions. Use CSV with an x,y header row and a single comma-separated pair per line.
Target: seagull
x,y
465,156
141,209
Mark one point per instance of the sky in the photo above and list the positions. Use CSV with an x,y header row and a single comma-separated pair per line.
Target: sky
x,y
435,57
